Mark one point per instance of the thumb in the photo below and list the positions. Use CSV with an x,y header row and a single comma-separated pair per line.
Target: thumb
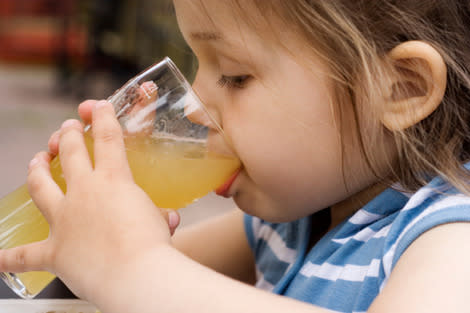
x,y
30,257
172,218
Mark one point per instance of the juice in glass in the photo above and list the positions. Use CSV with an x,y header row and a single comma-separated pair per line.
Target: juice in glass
x,y
173,172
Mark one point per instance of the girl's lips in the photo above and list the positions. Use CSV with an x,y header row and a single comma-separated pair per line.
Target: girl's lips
x,y
224,188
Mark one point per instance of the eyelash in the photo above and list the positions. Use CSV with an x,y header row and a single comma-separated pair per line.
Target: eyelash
x,y
233,82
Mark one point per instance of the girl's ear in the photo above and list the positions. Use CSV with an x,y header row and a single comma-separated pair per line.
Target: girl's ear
x,y
419,86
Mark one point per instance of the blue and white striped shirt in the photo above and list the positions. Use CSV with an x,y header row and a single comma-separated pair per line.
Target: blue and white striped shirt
x,y
349,266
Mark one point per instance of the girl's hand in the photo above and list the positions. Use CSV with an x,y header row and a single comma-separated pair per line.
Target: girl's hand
x,y
103,220
148,92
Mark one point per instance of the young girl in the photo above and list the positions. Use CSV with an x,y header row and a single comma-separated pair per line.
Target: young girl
x,y
351,120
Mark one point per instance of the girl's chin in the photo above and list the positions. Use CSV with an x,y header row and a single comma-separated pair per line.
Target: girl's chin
x,y
255,205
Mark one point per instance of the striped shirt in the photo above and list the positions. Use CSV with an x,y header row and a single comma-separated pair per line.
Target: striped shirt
x,y
349,266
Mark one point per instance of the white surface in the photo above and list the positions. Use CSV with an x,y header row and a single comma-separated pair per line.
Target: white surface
x,y
46,306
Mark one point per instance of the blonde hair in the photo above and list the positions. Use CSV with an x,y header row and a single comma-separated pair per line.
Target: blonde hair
x,y
353,39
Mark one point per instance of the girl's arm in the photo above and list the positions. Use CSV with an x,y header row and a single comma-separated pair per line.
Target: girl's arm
x,y
220,244
432,275
165,280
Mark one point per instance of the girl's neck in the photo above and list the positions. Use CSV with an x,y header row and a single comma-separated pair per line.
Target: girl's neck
x,y
345,208
340,211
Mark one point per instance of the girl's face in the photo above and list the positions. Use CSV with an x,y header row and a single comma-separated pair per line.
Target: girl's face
x,y
277,113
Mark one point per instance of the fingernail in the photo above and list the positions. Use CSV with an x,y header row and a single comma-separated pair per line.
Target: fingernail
x,y
173,219
68,123
54,137
100,104
33,163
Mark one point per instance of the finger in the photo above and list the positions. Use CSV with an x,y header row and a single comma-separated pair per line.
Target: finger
x,y
147,93
53,142
42,188
173,221
172,218
73,154
30,257
142,115
85,110
109,147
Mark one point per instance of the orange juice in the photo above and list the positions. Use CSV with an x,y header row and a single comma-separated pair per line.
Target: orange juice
x,y
173,173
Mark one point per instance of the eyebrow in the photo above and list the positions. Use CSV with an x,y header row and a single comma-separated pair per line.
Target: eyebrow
x,y
206,36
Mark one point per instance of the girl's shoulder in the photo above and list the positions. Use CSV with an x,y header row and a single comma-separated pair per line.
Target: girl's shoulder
x,y
434,204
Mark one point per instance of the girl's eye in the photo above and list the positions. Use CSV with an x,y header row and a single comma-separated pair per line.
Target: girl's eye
x,y
238,81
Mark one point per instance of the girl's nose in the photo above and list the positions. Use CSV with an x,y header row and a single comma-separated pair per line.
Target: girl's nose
x,y
197,113
202,109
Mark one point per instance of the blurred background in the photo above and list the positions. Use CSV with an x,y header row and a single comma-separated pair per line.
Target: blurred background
x,y
55,54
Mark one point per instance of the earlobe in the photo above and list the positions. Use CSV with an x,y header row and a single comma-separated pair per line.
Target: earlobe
x,y
419,87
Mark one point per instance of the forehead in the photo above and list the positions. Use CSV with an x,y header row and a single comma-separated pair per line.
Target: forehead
x,y
208,13
248,27
219,20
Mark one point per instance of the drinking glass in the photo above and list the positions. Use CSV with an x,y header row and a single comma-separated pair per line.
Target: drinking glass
x,y
176,150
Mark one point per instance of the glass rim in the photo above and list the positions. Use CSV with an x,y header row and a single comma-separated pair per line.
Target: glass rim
x,y
169,64
167,61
